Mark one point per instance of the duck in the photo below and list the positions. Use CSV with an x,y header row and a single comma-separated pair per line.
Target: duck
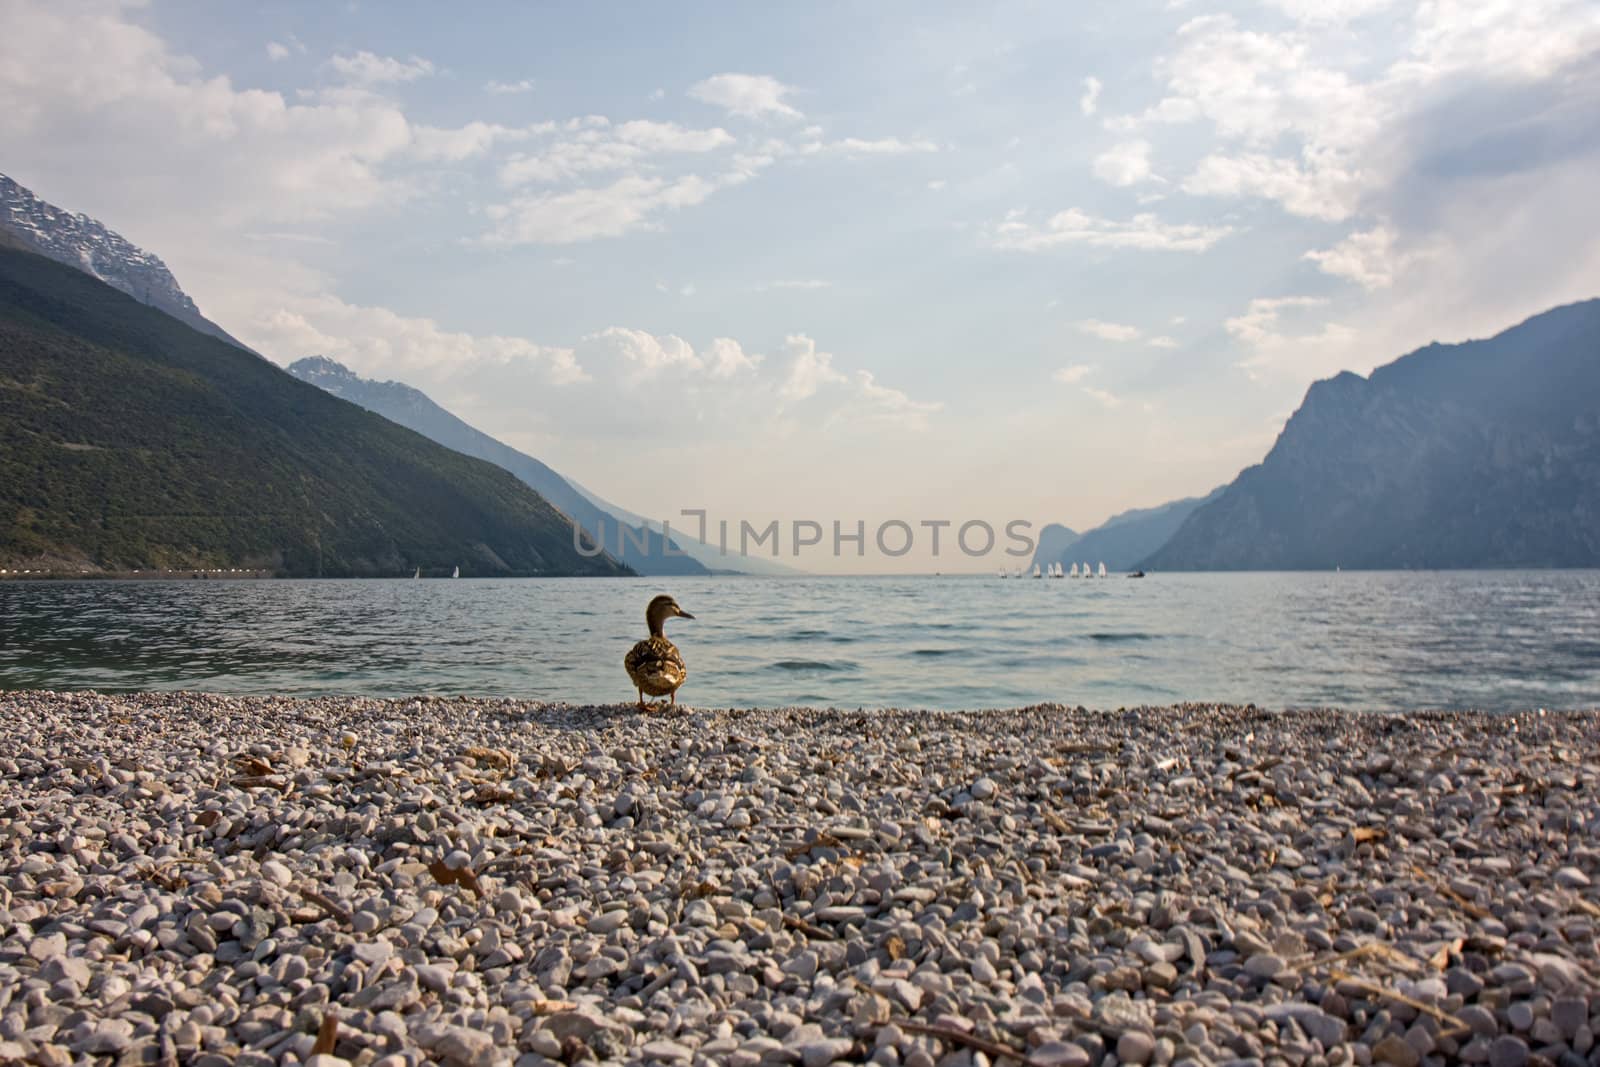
x,y
655,665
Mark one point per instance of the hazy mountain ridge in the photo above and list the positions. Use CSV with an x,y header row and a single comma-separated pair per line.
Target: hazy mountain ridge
x,y
99,251
1123,541
415,410
1480,454
130,440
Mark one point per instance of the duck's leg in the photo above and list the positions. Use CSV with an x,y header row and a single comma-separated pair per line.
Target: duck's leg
x,y
642,705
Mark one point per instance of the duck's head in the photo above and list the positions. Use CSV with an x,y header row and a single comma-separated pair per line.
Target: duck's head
x,y
660,610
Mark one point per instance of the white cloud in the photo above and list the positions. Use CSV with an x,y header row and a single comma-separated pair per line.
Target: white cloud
x,y
1273,349
746,95
276,51
1325,12
1090,100
1368,258
809,369
811,372
1163,341
1075,227
796,283
626,205
599,145
1124,164
644,354
1108,331
1317,192
453,145
1075,374
725,358
499,88
368,69
855,146
937,184
378,341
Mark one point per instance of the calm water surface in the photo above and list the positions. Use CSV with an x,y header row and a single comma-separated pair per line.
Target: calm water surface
x,y
1498,640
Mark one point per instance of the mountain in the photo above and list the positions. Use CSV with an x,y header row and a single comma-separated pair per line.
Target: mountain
x,y
1123,541
1054,541
1482,454
412,409
129,441
709,552
31,224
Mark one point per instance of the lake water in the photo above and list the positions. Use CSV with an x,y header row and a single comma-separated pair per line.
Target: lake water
x,y
1499,640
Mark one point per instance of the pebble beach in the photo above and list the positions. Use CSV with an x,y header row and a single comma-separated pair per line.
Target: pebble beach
x,y
191,879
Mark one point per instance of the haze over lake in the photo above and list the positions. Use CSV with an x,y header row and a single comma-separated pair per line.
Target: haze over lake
x,y
1500,640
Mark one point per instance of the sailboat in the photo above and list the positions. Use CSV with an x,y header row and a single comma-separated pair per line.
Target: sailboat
x,y
1102,572
456,573
1074,570
1036,573
418,574
1002,572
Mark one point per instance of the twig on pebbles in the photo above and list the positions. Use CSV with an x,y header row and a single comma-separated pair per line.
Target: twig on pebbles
x,y
325,902
961,1037
815,933
1449,1024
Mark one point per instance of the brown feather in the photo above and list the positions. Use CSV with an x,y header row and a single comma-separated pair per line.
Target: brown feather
x,y
655,666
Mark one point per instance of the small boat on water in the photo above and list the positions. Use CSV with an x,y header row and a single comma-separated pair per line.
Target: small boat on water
x,y
1003,573
1137,574
456,573
1102,572
418,574
1074,573
1036,572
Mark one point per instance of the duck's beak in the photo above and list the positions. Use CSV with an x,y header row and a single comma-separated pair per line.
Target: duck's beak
x,y
684,614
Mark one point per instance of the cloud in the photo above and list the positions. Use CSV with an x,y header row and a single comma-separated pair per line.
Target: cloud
x,y
498,88
746,95
1272,349
432,143
1075,374
1125,164
1108,331
598,145
1318,192
1367,258
645,354
726,358
796,283
1090,100
378,341
368,69
1163,341
1074,227
626,205
276,51
811,372
855,146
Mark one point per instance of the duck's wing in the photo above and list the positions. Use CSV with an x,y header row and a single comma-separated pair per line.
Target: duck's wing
x,y
655,663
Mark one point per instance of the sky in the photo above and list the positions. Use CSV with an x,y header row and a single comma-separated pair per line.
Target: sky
x,y
838,262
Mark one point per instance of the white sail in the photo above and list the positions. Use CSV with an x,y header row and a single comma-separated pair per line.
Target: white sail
x,y
1002,572
418,574
456,573
1074,570
1036,573
1102,568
